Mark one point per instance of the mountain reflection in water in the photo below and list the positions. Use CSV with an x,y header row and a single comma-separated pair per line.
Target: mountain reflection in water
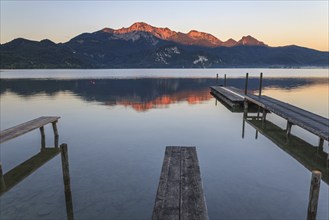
x,y
142,94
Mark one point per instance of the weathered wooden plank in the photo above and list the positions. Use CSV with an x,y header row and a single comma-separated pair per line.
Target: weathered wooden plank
x,y
231,98
193,205
179,187
318,118
23,128
316,124
234,96
67,181
314,195
167,201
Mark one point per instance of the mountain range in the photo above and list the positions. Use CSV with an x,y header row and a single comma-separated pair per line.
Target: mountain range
x,y
144,46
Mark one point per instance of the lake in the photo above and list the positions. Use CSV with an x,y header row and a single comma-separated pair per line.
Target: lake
x,y
117,124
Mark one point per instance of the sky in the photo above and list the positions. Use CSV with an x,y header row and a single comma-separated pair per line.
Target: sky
x,y
276,22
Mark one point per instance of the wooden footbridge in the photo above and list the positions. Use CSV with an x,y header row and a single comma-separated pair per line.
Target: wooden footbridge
x,y
309,121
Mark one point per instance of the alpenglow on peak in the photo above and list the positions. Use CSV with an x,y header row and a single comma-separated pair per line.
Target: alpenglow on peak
x,y
193,37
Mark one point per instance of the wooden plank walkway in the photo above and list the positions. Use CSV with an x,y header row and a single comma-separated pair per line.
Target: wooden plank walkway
x,y
232,96
309,121
180,194
23,128
314,123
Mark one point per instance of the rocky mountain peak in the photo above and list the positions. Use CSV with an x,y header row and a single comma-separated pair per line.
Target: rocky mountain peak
x,y
193,37
107,30
250,41
204,36
163,33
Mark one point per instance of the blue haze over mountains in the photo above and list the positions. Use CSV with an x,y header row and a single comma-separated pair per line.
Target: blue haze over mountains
x,y
144,46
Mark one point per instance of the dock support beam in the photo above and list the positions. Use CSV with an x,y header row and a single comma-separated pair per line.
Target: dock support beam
x,y
2,180
245,105
314,195
245,115
43,137
246,84
67,182
245,92
260,84
289,125
225,80
321,141
264,114
55,133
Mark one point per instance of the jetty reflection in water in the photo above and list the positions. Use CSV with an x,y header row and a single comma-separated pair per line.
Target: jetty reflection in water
x,y
14,176
310,156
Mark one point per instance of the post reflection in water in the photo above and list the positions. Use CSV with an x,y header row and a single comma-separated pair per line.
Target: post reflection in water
x,y
14,176
310,156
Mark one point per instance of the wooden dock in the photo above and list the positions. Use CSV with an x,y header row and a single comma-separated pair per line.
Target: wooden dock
x,y
26,127
230,95
309,121
180,193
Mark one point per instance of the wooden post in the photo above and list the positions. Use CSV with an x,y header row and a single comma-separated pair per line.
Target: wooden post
x,y
321,141
43,137
314,195
217,79
224,79
67,182
260,84
245,104
246,84
2,180
289,125
245,115
264,114
65,165
55,133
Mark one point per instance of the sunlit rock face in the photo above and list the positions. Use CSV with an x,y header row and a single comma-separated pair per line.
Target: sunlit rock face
x,y
250,41
193,37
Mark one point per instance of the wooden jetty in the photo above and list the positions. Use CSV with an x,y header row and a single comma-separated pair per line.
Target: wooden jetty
x,y
180,194
23,128
306,154
309,121
232,96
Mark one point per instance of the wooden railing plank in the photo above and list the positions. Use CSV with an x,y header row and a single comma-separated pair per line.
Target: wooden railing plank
x,y
23,128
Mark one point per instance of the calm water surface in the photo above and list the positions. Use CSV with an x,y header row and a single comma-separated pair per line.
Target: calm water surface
x,y
117,128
